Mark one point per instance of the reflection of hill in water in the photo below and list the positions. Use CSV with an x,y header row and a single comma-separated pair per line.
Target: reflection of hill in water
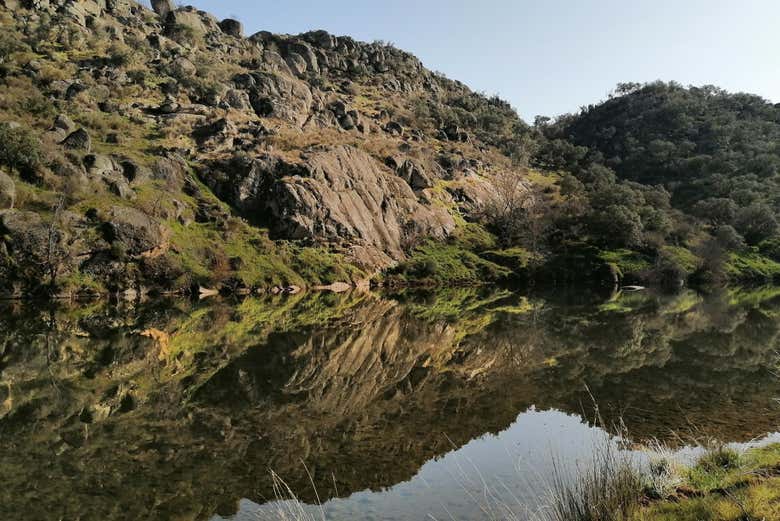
x,y
110,424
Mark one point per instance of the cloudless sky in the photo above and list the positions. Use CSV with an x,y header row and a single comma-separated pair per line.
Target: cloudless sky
x,y
551,56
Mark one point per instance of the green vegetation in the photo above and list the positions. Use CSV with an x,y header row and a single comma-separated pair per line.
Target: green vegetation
x,y
750,265
626,261
659,184
19,149
443,264
669,182
725,485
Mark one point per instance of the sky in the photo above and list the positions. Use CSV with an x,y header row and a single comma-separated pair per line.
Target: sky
x,y
550,57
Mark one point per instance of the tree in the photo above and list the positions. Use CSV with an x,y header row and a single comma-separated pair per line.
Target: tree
x,y
756,223
716,210
617,226
19,149
515,212
728,238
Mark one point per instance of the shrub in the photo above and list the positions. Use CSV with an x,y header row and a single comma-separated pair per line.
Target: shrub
x,y
19,149
756,223
8,45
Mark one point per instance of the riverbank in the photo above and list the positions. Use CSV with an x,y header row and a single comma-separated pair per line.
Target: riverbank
x,y
723,485
719,482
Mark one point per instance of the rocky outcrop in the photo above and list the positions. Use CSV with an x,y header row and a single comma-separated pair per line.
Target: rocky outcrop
x,y
291,131
163,7
79,140
280,96
232,27
411,171
340,196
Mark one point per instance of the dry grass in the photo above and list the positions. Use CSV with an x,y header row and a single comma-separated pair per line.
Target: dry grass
x,y
609,489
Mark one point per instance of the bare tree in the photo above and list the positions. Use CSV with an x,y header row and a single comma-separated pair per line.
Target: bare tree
x,y
54,254
515,212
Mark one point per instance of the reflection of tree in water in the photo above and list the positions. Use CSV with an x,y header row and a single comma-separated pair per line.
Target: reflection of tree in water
x,y
360,387
693,372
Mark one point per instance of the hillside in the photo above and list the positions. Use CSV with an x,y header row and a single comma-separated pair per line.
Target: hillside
x,y
159,151
710,159
163,149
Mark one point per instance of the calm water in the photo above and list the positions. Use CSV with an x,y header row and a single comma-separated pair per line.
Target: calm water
x,y
377,407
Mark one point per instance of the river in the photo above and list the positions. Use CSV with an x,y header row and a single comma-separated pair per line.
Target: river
x,y
440,405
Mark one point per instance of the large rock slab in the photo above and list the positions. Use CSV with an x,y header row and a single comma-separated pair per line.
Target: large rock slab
x,y
338,196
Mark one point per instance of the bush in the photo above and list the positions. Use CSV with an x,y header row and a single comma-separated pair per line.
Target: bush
x,y
770,248
756,223
19,149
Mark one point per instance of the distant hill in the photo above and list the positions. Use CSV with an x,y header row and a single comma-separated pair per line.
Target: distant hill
x,y
699,142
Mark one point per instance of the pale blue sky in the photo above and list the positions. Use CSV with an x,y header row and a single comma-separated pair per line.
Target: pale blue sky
x,y
551,56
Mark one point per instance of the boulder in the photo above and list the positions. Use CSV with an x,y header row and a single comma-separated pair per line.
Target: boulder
x,y
134,172
347,117
232,27
321,39
183,68
138,233
78,140
119,187
296,63
304,51
169,106
74,89
394,128
7,191
284,97
237,99
63,122
218,133
413,173
100,165
171,170
194,21
163,7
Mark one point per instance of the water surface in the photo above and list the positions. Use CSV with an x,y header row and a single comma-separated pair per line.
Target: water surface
x,y
376,406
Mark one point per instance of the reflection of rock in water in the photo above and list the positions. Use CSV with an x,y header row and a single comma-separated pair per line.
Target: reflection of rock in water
x,y
110,425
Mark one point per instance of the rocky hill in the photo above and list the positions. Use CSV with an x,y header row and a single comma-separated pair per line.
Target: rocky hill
x,y
164,149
